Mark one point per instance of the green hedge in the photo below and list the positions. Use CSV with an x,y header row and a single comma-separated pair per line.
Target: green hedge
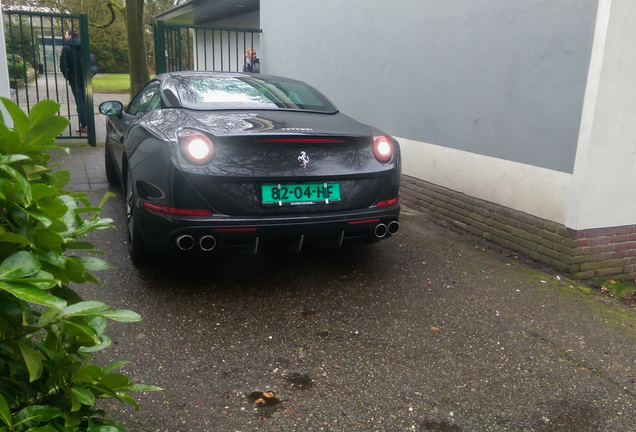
x,y
48,334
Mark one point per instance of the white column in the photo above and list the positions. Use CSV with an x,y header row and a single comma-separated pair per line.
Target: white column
x,y
4,72
603,190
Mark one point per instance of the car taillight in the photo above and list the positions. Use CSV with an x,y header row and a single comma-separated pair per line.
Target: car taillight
x,y
176,211
388,203
383,148
196,147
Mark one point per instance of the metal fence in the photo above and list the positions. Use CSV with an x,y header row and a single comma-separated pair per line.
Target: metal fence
x,y
34,44
192,47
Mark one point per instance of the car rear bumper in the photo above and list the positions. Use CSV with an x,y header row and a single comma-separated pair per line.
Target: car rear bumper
x,y
169,234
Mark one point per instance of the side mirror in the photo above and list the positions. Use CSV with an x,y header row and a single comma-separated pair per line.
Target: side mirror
x,y
111,108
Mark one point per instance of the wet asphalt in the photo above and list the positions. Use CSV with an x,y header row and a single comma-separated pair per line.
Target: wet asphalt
x,y
431,329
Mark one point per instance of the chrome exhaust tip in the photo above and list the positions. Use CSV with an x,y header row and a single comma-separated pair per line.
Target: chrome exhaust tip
x,y
393,227
207,243
185,242
380,230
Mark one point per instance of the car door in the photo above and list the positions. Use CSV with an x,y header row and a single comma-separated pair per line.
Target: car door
x,y
146,100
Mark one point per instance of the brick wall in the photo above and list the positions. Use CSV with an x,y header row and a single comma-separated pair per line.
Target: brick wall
x,y
584,254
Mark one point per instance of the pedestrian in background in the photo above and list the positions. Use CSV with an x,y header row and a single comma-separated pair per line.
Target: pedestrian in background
x,y
71,66
252,62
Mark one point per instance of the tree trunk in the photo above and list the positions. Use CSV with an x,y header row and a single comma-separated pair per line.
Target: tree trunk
x,y
138,63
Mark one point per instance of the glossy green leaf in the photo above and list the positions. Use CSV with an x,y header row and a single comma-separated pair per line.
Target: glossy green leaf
x,y
116,365
122,315
114,381
139,387
19,265
53,206
89,209
33,415
32,295
50,315
87,332
9,139
33,360
5,412
46,131
7,237
92,263
11,158
59,179
20,120
39,216
125,397
40,190
84,308
47,239
80,245
43,110
19,180
89,374
84,395
105,343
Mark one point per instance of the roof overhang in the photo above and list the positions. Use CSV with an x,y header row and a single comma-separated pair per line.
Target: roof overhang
x,y
204,11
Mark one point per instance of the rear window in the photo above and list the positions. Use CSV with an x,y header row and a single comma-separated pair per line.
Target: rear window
x,y
248,92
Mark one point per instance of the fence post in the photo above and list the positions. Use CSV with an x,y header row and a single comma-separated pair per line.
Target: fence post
x,y
160,48
88,79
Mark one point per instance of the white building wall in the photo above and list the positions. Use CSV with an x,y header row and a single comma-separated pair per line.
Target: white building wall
x,y
4,71
507,101
604,181
485,97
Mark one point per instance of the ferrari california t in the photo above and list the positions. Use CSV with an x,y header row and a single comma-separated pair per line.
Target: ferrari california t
x,y
216,160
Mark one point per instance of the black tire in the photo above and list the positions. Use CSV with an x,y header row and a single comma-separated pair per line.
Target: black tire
x,y
136,249
109,163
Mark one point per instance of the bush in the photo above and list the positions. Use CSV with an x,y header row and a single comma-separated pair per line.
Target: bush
x,y
17,70
48,334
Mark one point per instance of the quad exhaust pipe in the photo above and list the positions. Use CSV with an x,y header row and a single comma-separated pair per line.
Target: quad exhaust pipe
x,y
382,230
207,243
393,227
186,242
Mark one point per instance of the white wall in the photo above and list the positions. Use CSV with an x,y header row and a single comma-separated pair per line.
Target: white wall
x,y
4,71
485,97
604,182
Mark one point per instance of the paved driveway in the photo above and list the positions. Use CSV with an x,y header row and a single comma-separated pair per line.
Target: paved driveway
x,y
432,329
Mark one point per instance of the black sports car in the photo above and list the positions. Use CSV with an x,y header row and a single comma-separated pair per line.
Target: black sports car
x,y
212,160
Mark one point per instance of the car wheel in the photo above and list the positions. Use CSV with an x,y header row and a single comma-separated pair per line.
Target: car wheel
x,y
136,248
111,173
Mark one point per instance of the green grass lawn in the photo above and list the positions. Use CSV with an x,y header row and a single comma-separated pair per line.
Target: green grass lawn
x,y
111,83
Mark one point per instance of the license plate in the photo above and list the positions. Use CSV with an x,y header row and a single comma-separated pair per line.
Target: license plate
x,y
299,194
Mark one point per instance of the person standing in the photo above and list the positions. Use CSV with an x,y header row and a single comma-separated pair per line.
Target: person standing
x,y
71,66
252,62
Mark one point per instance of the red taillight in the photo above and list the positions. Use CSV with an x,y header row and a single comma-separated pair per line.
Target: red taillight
x,y
364,221
388,202
176,211
196,147
300,140
383,148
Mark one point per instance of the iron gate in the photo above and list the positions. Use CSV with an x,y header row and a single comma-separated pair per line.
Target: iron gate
x,y
34,43
192,47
